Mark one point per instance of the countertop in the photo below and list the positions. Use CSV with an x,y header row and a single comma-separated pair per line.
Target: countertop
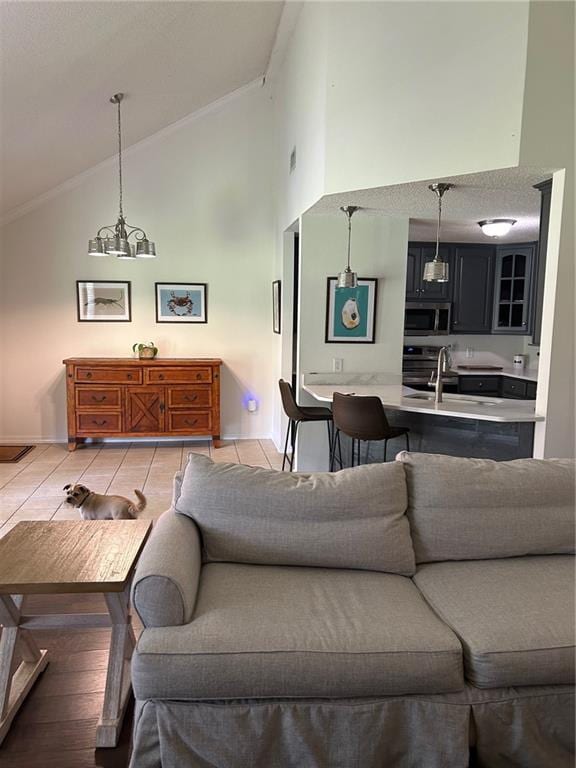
x,y
527,375
397,397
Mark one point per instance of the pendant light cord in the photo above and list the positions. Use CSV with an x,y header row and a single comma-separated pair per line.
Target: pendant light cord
x,y
438,227
349,236
120,158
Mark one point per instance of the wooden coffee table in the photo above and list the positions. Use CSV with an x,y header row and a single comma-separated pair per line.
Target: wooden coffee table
x,y
95,556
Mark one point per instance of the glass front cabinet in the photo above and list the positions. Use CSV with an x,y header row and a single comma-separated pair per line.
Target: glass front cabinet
x,y
512,289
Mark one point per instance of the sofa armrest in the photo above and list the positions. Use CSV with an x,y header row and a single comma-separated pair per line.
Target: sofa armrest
x,y
166,578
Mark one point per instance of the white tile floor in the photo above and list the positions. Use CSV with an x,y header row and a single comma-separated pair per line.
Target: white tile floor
x,y
32,488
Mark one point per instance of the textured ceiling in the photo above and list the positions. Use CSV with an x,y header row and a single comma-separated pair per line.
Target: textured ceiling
x,y
61,61
506,193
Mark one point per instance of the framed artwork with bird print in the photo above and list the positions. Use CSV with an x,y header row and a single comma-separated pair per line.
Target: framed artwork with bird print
x,y
351,312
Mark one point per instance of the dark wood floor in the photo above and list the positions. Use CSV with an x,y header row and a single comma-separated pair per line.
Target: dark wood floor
x,y
56,725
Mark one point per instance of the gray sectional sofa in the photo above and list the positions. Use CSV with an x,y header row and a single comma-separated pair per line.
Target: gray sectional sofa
x,y
418,613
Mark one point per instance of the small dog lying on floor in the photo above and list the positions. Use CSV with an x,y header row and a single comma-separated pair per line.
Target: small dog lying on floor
x,y
98,506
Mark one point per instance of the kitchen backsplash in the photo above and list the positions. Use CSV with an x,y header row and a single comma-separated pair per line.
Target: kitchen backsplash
x,y
479,350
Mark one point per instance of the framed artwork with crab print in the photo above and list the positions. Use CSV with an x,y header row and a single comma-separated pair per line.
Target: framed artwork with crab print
x,y
103,301
181,303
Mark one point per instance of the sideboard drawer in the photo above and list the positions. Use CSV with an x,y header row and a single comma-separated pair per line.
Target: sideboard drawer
x,y
92,397
190,422
190,397
109,375
99,421
179,375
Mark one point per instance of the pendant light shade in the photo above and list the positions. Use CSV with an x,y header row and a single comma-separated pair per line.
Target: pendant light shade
x,y
437,271
116,242
348,278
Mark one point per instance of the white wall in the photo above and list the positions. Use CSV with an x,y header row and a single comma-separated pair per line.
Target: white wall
x,y
421,90
203,193
548,139
379,246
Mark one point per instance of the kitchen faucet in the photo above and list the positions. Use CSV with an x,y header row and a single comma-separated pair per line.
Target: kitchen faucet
x,y
443,356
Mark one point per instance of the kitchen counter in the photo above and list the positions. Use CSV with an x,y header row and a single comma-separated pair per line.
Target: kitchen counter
x,y
396,397
529,374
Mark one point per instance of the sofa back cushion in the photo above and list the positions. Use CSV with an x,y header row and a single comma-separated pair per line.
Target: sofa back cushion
x,y
355,518
474,509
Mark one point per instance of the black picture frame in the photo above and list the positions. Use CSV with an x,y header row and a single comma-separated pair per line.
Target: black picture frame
x,y
180,314
82,292
277,306
348,337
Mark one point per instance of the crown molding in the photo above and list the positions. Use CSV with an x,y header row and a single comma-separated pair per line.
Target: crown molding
x,y
75,181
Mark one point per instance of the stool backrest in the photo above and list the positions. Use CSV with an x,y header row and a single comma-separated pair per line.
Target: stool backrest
x,y
361,418
289,403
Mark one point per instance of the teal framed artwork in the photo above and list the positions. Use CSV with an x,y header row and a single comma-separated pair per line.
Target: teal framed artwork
x,y
351,312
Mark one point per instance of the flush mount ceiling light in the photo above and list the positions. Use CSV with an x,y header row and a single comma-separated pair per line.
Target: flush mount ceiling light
x,y
348,279
496,227
436,271
116,242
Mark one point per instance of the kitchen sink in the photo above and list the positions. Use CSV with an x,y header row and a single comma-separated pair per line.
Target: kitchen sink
x,y
455,399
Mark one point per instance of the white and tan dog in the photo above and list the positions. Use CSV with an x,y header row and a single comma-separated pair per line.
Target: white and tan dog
x,y
98,506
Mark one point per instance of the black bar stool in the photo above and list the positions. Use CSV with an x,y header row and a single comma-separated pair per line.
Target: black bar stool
x,y
298,414
362,419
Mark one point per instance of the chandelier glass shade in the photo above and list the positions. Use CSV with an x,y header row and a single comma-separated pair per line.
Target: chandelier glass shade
x,y
348,278
437,271
114,240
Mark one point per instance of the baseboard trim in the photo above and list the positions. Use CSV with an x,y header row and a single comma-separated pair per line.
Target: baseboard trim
x,y
19,440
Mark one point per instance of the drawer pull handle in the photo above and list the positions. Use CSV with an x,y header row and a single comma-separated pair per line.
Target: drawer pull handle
x,y
190,399
198,375
129,376
161,377
481,384
98,399
89,375
99,423
191,423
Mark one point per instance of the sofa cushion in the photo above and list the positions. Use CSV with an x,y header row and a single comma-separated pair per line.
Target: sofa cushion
x,y
515,617
272,631
349,519
468,509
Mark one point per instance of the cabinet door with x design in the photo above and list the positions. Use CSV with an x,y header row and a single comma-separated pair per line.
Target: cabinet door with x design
x,y
144,409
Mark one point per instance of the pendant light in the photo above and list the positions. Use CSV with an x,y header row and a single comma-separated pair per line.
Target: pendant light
x,y
348,279
436,271
496,227
116,242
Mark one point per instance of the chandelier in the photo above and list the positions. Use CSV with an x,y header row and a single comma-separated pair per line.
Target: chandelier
x,y
114,240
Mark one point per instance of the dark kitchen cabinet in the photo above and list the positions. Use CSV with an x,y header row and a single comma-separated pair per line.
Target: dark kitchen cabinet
x,y
416,288
539,262
513,388
473,289
513,276
479,385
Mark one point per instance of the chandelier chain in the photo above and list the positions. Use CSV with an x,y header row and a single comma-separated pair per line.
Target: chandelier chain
x,y
120,158
438,228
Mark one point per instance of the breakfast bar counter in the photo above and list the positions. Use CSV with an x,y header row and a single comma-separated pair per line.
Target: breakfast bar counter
x,y
461,425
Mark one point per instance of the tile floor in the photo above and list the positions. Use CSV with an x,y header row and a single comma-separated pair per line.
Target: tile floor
x,y
32,488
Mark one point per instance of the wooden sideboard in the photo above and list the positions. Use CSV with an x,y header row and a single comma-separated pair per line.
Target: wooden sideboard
x,y
124,397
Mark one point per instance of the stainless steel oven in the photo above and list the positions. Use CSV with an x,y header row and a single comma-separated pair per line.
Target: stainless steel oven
x,y
426,319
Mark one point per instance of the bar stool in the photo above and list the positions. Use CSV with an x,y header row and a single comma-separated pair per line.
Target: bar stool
x,y
362,419
298,414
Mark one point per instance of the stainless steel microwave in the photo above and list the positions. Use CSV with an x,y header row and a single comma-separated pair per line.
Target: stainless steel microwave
x,y
426,319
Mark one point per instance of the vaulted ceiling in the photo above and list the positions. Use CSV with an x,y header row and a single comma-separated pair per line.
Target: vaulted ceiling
x,y
61,61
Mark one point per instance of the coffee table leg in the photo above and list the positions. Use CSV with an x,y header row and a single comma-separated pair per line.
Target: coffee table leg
x,y
117,691
15,683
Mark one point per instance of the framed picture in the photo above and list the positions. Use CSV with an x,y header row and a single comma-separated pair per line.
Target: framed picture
x,y
181,303
100,301
276,305
351,312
